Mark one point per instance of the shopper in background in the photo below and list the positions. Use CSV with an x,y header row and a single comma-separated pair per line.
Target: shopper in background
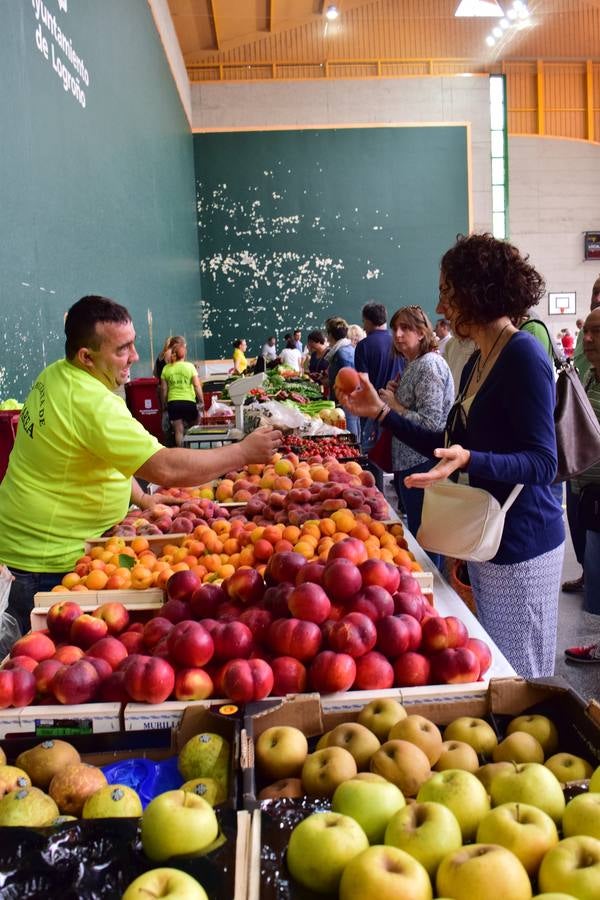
x,y
180,390
499,433
71,471
269,350
339,355
290,356
375,356
591,538
356,334
423,396
240,363
163,358
443,332
568,342
458,353
316,362
297,336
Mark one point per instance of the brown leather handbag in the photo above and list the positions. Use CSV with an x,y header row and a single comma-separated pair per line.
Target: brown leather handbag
x,y
577,426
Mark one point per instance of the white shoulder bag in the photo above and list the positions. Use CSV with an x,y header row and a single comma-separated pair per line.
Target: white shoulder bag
x,y
463,521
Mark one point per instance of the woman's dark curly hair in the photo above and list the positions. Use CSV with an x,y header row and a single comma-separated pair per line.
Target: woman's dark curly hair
x,y
490,279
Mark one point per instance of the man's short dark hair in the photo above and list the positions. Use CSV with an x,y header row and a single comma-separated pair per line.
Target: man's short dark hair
x,y
297,331
337,327
82,318
316,337
375,313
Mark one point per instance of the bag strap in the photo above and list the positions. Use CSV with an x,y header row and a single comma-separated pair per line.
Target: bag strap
x,y
558,362
512,497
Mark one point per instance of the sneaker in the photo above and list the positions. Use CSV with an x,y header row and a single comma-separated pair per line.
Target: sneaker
x,y
588,654
573,587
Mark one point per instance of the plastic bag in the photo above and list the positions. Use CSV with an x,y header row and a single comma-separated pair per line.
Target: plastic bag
x,y
217,410
278,415
9,630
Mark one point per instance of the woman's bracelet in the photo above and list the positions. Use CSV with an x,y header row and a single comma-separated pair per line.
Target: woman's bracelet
x,y
382,412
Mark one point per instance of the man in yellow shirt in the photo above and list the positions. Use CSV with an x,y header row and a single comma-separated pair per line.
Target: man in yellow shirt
x,y
71,471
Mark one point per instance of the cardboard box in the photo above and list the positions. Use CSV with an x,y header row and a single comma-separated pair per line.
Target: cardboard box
x,y
578,722
43,600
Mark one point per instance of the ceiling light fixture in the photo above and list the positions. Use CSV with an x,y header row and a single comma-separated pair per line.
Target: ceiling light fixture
x,y
331,13
479,8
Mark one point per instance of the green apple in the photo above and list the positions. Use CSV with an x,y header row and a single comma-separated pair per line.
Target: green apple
x,y
205,756
322,742
358,740
385,873
519,747
280,751
478,733
486,773
402,763
462,793
177,823
457,755
321,846
165,884
582,816
525,830
594,785
541,728
483,872
573,866
324,769
529,783
554,895
568,767
29,807
379,716
420,731
428,831
371,801
113,801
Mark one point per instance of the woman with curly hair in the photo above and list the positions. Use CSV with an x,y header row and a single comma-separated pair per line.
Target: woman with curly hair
x,y
499,433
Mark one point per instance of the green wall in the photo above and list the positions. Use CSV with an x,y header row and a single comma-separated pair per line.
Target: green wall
x,y
97,199
299,225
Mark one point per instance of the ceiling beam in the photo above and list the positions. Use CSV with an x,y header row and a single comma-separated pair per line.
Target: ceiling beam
x,y
212,15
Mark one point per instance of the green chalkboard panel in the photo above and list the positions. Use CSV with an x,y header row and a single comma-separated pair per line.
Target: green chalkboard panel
x,y
96,179
299,225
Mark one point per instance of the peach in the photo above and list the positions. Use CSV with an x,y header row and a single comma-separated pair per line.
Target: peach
x,y
192,684
77,683
60,616
331,672
35,644
87,629
17,687
245,680
115,615
68,654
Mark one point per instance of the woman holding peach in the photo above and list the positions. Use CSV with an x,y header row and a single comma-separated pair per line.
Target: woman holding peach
x,y
499,433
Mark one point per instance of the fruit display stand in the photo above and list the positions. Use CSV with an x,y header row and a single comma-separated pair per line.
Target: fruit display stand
x,y
577,723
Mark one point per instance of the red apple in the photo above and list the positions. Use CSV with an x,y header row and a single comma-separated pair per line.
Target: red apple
x,y
349,548
17,687
482,652
373,672
258,621
190,644
232,640
408,583
110,649
411,669
294,637
230,611
354,634
381,573
409,603
245,586
244,680
374,601
155,629
205,600
113,690
341,579
393,636
312,571
331,672
309,602
43,673
132,641
115,615
148,679
136,626
87,629
284,567
102,667
192,684
289,676
175,610
276,597
457,632
22,662
181,585
77,683
60,616
454,666
35,644
68,653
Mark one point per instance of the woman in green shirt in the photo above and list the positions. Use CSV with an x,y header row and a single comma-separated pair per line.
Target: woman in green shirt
x,y
181,390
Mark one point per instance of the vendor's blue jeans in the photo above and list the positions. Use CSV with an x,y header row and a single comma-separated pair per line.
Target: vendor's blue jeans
x,y
591,571
412,500
24,587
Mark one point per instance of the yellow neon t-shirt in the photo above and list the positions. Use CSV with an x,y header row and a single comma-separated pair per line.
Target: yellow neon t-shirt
x,y
69,473
240,363
178,376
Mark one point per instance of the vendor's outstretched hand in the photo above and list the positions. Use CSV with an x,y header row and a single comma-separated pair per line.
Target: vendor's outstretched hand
x,y
260,445
363,401
150,500
451,459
